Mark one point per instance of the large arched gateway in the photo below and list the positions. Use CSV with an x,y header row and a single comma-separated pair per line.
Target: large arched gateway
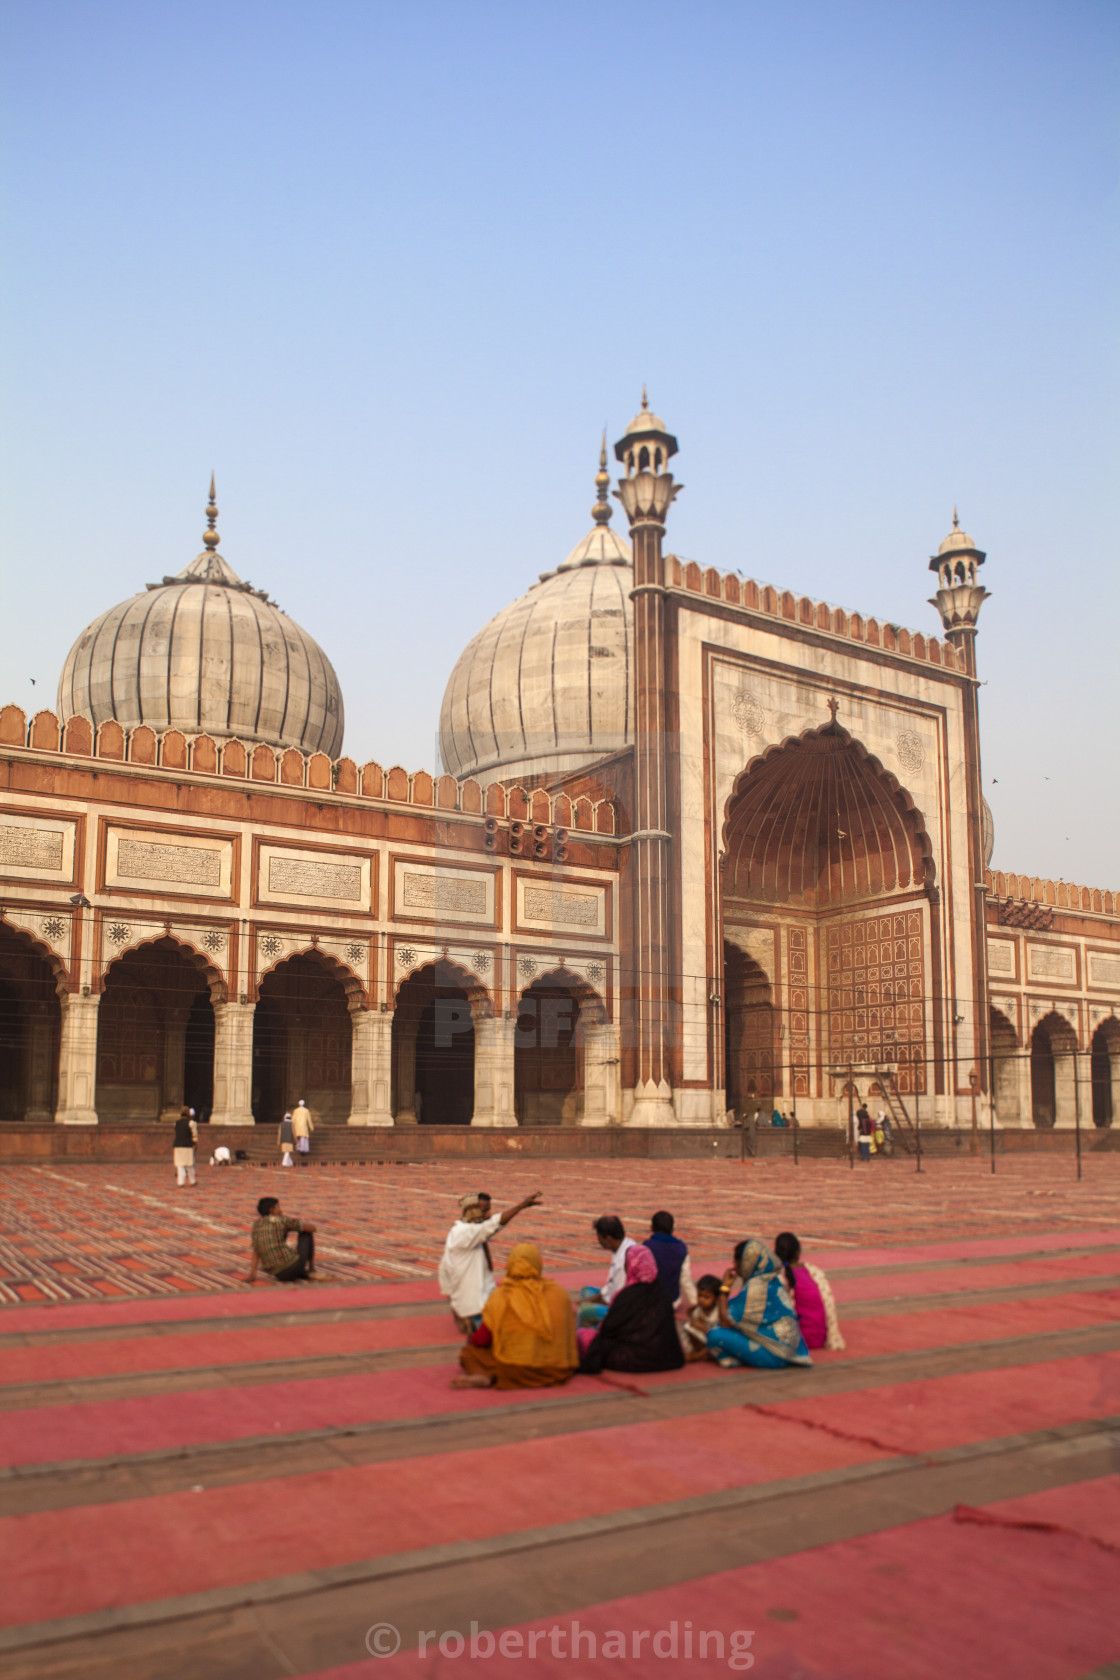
x,y
830,951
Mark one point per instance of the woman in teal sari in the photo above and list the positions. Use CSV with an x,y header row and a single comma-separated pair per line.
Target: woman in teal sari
x,y
759,1325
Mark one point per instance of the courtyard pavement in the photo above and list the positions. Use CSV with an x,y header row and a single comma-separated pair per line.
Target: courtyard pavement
x,y
199,1478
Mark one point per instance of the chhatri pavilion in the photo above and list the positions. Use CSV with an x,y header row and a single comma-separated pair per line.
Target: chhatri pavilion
x,y
700,848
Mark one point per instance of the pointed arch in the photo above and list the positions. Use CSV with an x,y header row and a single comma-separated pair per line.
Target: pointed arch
x,y
60,977
559,1016
438,1009
1053,1071
357,998
827,852
32,983
303,1028
818,819
155,1030
752,1079
214,978
449,972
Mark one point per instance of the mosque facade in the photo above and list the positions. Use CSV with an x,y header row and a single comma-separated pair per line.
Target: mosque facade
x,y
701,849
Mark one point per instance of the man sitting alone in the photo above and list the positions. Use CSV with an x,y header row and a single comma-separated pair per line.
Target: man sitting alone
x,y
270,1250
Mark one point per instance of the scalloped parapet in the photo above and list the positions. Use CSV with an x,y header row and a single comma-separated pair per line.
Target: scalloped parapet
x,y
287,767
1061,895
813,615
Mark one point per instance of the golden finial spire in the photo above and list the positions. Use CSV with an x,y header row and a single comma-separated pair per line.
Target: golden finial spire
x,y
601,512
210,536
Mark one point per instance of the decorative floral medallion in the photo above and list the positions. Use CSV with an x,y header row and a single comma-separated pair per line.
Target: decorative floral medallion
x,y
480,962
911,754
355,953
747,712
118,933
270,946
53,926
594,973
406,957
214,941
527,968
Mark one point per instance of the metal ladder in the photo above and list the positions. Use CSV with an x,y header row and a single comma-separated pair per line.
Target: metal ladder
x,y
905,1132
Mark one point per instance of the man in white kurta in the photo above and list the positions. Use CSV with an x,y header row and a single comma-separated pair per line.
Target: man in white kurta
x,y
465,1273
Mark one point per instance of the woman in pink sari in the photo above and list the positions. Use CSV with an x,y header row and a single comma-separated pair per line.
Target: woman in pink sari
x,y
812,1295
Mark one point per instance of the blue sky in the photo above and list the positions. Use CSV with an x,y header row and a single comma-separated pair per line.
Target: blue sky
x,y
390,268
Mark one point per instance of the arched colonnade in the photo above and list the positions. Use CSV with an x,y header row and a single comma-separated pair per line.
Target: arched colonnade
x,y
163,1032
1052,1080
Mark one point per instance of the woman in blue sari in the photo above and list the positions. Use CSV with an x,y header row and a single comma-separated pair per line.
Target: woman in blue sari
x,y
759,1325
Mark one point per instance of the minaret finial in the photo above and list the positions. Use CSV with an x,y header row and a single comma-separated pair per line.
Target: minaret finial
x,y
210,536
601,512
956,520
645,397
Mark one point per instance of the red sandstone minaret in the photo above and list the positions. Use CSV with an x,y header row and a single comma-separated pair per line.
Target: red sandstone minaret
x,y
959,597
646,490
960,594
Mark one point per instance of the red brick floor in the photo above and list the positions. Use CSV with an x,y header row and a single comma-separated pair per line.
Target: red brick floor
x,y
87,1233
199,1479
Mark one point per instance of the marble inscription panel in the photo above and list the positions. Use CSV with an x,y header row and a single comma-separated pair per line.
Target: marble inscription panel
x,y
565,909
31,848
152,860
1103,971
315,879
465,894
1049,962
1001,957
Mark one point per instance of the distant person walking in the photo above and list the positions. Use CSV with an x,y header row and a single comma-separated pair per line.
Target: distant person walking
x,y
182,1154
303,1125
865,1128
286,1141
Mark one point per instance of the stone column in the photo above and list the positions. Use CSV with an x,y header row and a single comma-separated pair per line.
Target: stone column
x,y
233,1064
1065,1088
493,1072
77,1061
406,1068
1114,1081
1023,1083
40,1047
600,1076
371,1055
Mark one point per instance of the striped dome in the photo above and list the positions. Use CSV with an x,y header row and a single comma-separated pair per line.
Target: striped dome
x,y
544,689
208,654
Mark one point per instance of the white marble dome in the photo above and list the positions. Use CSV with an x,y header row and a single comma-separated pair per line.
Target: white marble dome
x,y
208,654
544,689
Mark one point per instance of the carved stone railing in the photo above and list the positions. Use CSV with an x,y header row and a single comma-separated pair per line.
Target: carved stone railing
x,y
287,767
813,615
1018,893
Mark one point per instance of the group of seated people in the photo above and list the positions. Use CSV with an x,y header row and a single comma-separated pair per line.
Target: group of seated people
x,y
524,1331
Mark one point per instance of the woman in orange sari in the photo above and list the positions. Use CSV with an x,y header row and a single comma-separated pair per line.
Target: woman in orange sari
x,y
528,1334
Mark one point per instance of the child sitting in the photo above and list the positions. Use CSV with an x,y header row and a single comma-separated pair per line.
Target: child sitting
x,y
812,1295
701,1318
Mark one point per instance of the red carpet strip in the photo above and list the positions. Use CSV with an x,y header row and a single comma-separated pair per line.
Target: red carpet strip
x,y
932,1598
